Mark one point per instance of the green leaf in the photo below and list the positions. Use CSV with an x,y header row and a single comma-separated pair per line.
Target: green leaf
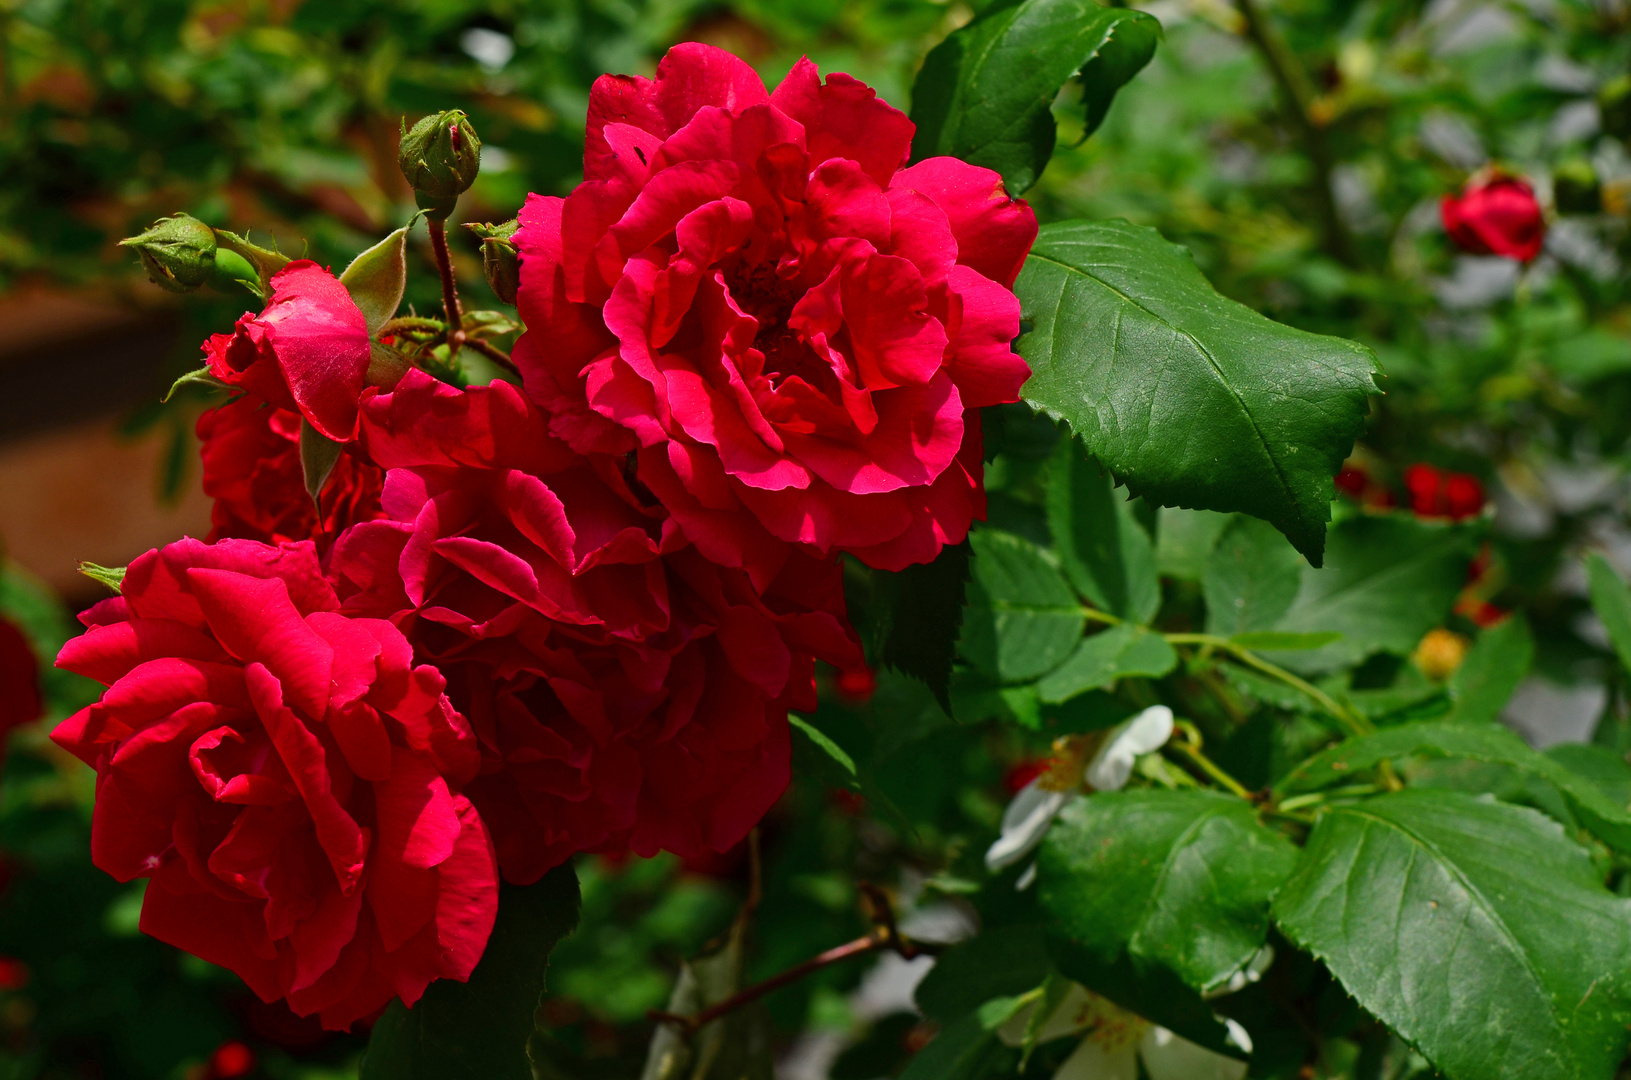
x,y
1475,929
1492,743
1102,548
911,619
318,456
986,93
1190,399
1184,539
966,1048
1603,767
376,279
1388,580
1491,671
111,576
1275,641
1003,961
1251,578
197,377
479,1030
839,765
1120,652
1022,618
737,1046
1174,879
1612,600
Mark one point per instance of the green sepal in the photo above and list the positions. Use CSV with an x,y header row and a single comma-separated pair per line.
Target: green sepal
x,y
111,576
377,278
197,377
318,456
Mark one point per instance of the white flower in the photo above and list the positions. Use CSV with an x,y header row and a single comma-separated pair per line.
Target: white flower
x,y
1144,733
1116,1040
1033,809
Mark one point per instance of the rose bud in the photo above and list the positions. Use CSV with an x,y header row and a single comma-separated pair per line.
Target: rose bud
x,y
1576,189
179,254
440,156
1496,216
499,258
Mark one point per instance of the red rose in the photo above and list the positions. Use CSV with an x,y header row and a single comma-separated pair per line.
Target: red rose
x,y
19,681
626,692
251,457
793,329
307,352
285,777
1499,216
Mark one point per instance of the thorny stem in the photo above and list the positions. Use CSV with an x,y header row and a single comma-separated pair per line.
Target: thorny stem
x,y
884,935
1298,92
450,289
1356,724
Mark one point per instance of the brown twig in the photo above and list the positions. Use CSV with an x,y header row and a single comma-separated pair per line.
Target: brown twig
x,y
450,289
885,935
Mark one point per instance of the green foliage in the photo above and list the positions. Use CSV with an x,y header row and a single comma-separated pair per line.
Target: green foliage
x,y
1103,549
910,620
480,1028
1182,394
1443,915
1022,618
984,94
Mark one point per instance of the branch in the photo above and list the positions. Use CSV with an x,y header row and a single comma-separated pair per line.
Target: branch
x,y
1298,93
492,352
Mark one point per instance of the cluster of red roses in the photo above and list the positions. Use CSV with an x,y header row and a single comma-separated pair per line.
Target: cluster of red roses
x,y
570,615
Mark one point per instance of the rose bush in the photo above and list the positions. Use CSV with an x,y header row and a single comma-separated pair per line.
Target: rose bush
x,y
286,778
792,329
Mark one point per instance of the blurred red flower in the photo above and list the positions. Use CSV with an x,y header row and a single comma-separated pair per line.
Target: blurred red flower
x,y
1497,216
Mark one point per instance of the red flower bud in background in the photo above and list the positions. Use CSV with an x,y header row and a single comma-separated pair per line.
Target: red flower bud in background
x,y
857,685
1496,216
1438,494
230,1060
19,681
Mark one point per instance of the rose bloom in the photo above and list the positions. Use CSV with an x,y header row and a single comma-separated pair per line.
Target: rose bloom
x,y
286,779
251,458
626,692
793,330
307,352
1498,216
19,681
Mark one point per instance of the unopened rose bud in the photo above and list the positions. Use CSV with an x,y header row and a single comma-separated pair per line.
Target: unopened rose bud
x,y
500,260
180,254
1575,188
440,156
1496,215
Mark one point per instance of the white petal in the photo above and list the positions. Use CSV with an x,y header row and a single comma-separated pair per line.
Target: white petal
x,y
1093,1062
1024,824
1171,1057
1113,764
1026,879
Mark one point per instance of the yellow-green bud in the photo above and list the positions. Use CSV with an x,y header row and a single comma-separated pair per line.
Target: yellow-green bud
x,y
177,252
500,260
440,156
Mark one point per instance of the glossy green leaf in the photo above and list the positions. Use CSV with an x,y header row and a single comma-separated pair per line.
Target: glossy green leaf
x,y
1475,929
1102,548
1252,577
478,1030
910,620
1489,742
1491,671
1174,879
1387,581
1190,399
1612,601
1124,651
376,279
1022,619
318,456
986,93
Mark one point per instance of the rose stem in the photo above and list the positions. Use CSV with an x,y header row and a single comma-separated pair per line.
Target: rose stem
x,y
450,290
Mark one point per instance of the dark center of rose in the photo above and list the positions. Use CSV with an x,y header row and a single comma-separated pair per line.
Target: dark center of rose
x,y
769,298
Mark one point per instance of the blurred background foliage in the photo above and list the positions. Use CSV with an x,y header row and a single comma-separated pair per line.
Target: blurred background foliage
x,y
1307,187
